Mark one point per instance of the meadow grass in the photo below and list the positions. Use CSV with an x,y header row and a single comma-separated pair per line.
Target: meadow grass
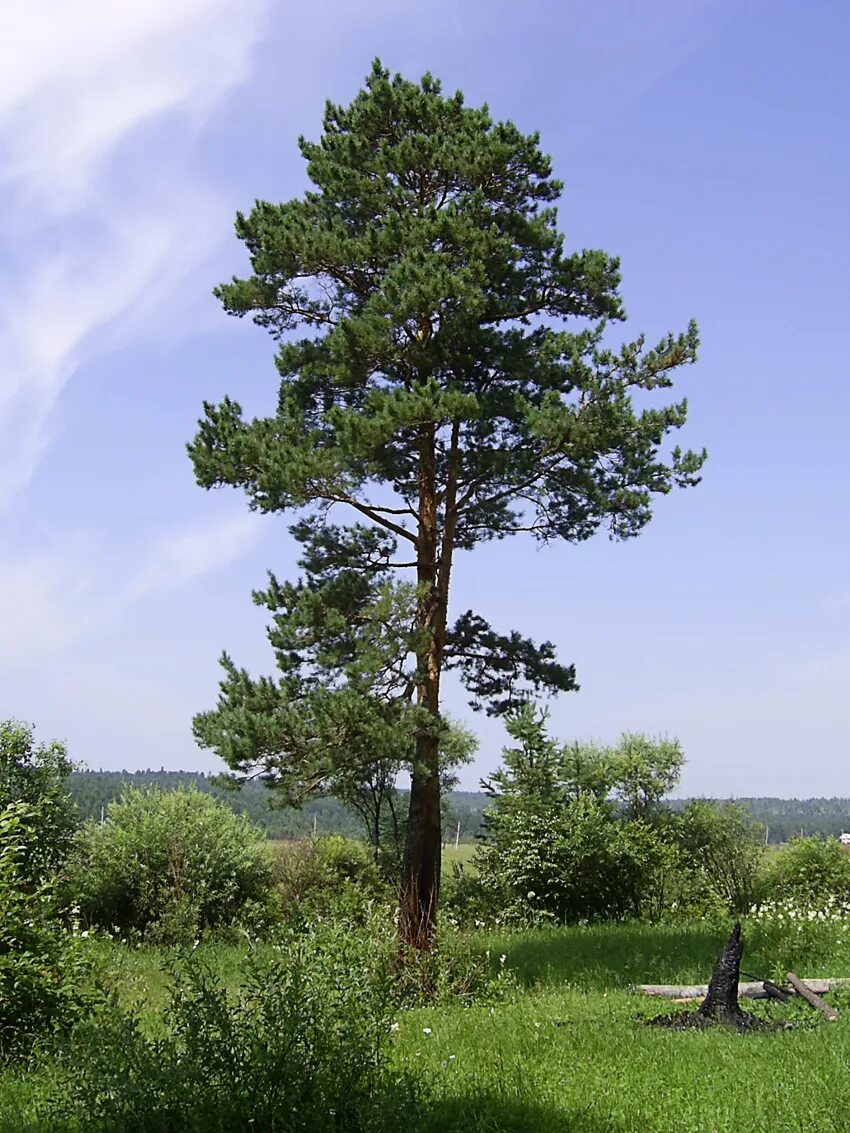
x,y
462,854
577,1060
567,1047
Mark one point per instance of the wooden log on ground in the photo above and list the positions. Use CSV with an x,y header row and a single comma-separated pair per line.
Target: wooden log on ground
x,y
810,997
754,990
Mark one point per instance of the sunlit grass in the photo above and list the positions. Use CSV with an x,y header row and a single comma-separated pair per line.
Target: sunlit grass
x,y
568,1048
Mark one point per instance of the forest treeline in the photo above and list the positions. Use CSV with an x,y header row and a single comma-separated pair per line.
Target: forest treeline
x,y
93,791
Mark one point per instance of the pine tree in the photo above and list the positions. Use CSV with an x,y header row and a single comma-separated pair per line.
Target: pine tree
x,y
445,376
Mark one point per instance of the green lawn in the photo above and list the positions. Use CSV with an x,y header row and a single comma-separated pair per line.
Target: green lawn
x,y
462,854
568,1048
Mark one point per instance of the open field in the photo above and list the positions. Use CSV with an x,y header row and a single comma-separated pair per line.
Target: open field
x,y
462,854
566,1048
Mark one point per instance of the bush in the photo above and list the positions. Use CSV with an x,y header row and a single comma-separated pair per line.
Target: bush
x,y
808,872
464,899
170,865
317,874
578,863
576,832
43,976
721,856
301,1046
36,775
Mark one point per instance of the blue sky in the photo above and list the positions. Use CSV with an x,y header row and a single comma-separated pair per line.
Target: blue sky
x,y
704,143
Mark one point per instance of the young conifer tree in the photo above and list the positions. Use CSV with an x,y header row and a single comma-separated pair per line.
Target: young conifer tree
x,y
445,377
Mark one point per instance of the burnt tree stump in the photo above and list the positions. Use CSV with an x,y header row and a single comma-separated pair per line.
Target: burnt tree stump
x,y
720,1005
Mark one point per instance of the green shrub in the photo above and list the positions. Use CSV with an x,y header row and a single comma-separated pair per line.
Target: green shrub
x,y
170,865
301,1045
464,898
721,857
318,874
808,872
576,832
37,775
43,976
578,863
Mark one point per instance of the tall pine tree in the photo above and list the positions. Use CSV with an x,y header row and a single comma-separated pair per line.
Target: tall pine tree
x,y
445,377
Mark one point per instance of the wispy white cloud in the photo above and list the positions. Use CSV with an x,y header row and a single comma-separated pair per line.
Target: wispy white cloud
x,y
101,228
84,248
75,80
182,556
54,598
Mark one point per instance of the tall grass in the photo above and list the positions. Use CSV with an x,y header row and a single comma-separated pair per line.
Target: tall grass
x,y
566,1049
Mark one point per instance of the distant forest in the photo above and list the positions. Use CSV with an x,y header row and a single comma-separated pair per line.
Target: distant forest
x,y
93,791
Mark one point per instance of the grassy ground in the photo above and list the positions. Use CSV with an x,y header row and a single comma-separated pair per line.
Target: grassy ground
x,y
462,854
568,1048
571,1052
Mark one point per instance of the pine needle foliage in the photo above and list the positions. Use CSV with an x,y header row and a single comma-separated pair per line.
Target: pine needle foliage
x,y
446,379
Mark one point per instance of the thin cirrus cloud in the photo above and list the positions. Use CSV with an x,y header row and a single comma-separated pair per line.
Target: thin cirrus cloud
x,y
100,230
75,80
54,597
76,83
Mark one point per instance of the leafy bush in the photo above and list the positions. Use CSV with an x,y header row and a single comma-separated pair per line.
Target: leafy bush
x,y
43,975
579,863
464,898
301,1046
320,873
37,775
576,832
808,872
811,942
721,856
170,865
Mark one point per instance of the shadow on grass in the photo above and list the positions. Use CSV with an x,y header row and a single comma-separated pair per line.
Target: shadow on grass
x,y
490,1113
597,957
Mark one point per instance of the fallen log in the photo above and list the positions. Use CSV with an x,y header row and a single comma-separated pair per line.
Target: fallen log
x,y
806,992
753,990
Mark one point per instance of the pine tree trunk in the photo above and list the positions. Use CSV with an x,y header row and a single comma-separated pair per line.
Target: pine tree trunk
x,y
421,881
420,885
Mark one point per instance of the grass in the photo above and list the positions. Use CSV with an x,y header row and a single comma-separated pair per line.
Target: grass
x,y
582,1061
567,1049
570,1051
461,854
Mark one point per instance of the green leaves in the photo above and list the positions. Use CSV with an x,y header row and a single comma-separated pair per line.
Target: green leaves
x,y
436,290
574,831
171,864
34,777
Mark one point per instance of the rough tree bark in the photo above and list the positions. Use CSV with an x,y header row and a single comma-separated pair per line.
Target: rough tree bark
x,y
421,874
423,849
721,1003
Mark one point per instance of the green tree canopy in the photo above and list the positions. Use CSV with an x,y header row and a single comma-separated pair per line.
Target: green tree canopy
x,y
34,778
446,375
574,830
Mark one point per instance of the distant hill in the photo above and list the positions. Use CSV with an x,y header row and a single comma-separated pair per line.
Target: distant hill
x,y
93,791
